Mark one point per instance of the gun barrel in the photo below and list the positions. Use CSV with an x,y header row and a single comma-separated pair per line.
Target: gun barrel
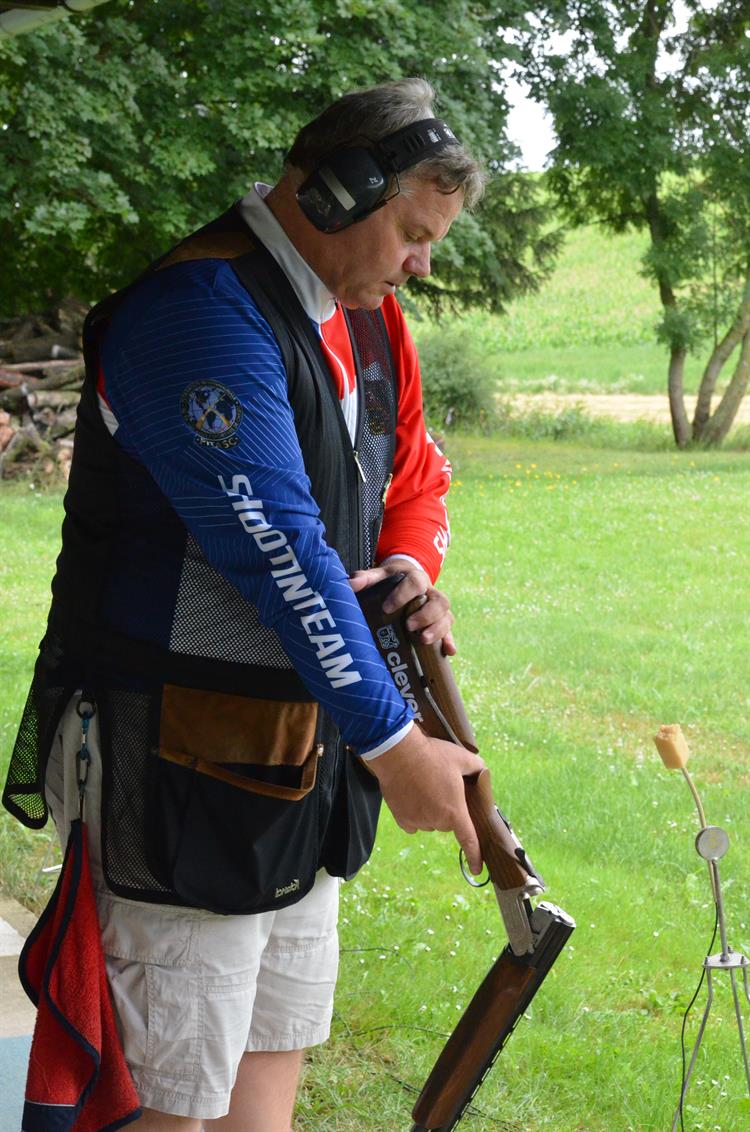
x,y
488,1022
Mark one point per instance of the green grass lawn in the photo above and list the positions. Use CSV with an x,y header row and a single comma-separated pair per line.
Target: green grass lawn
x,y
29,542
597,595
589,329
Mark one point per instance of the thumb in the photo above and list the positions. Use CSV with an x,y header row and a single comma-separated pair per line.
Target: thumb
x,y
361,579
469,763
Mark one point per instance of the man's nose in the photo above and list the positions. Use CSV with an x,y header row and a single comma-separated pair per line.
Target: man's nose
x,y
418,262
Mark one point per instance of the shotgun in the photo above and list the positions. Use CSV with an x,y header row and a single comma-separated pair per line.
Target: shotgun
x,y
536,935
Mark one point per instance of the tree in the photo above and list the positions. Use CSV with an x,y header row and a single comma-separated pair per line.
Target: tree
x,y
123,130
653,127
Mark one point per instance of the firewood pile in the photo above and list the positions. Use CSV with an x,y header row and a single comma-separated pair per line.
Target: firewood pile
x,y
41,374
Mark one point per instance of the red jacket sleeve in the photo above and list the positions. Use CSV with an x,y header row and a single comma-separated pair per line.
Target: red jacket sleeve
x,y
415,521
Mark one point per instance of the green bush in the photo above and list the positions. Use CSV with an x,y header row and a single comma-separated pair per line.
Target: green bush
x,y
571,423
574,424
459,383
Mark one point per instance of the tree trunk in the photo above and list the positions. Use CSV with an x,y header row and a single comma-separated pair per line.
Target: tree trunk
x,y
675,387
678,353
716,427
716,362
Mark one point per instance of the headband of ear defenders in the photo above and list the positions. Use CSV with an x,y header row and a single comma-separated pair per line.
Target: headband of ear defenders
x,y
351,182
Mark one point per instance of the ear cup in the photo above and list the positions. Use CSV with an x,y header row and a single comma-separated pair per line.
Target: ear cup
x,y
344,188
351,182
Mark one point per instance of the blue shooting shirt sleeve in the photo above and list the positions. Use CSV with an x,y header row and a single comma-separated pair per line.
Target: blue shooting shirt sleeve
x,y
187,352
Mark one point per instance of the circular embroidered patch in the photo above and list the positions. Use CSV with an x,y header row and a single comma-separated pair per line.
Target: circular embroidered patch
x,y
213,412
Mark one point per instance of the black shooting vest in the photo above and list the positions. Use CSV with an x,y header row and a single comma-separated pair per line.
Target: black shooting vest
x,y
225,786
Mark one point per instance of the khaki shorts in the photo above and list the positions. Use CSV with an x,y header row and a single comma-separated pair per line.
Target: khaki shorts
x,y
193,990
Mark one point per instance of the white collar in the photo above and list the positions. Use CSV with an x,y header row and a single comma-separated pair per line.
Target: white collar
x,y
317,301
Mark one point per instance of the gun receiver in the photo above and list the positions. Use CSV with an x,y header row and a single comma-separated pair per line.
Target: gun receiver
x,y
511,872
536,935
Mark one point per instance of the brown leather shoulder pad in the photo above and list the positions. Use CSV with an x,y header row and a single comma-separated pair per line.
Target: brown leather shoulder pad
x,y
211,245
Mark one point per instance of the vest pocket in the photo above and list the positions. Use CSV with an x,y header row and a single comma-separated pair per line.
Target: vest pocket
x,y
232,811
263,746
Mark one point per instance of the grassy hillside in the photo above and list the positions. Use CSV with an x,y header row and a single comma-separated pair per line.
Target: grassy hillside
x,y
590,328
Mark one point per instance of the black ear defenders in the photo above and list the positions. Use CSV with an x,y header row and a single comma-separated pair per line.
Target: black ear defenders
x,y
352,181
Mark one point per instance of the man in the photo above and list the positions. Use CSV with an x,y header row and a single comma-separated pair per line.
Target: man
x,y
250,452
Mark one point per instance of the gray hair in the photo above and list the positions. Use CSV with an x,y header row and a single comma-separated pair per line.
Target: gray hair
x,y
374,113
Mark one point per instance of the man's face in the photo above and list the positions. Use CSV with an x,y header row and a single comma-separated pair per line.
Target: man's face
x,y
369,260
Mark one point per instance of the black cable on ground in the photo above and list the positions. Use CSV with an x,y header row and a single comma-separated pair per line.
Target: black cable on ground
x,y
687,1011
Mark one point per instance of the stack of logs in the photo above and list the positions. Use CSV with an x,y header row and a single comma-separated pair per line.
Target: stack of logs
x,y
37,416
41,374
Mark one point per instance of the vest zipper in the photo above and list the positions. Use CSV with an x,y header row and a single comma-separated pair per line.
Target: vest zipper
x,y
361,477
360,469
356,524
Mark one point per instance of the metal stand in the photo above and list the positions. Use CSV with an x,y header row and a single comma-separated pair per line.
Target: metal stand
x,y
711,844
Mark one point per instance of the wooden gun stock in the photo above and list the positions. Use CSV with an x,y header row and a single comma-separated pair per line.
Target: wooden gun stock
x,y
425,679
506,861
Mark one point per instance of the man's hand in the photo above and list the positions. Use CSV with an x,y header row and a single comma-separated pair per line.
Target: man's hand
x,y
422,781
434,619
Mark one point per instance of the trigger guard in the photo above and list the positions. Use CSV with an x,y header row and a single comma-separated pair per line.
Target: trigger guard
x,y
468,876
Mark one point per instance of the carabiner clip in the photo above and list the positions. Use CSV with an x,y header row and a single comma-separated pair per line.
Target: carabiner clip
x,y
86,711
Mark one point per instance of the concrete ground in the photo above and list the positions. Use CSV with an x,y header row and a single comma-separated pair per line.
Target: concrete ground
x,y
16,1014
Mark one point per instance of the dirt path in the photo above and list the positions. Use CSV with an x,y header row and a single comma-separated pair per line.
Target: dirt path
x,y
619,406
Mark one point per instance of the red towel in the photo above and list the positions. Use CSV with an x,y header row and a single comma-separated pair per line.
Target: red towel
x,y
78,1080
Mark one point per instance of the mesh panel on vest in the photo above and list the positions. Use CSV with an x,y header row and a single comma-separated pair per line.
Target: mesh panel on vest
x,y
22,795
212,619
125,823
376,440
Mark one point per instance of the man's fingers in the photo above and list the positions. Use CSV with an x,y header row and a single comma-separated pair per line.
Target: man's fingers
x,y
468,763
437,631
433,622
361,579
449,645
466,834
469,842
422,780
434,609
413,585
